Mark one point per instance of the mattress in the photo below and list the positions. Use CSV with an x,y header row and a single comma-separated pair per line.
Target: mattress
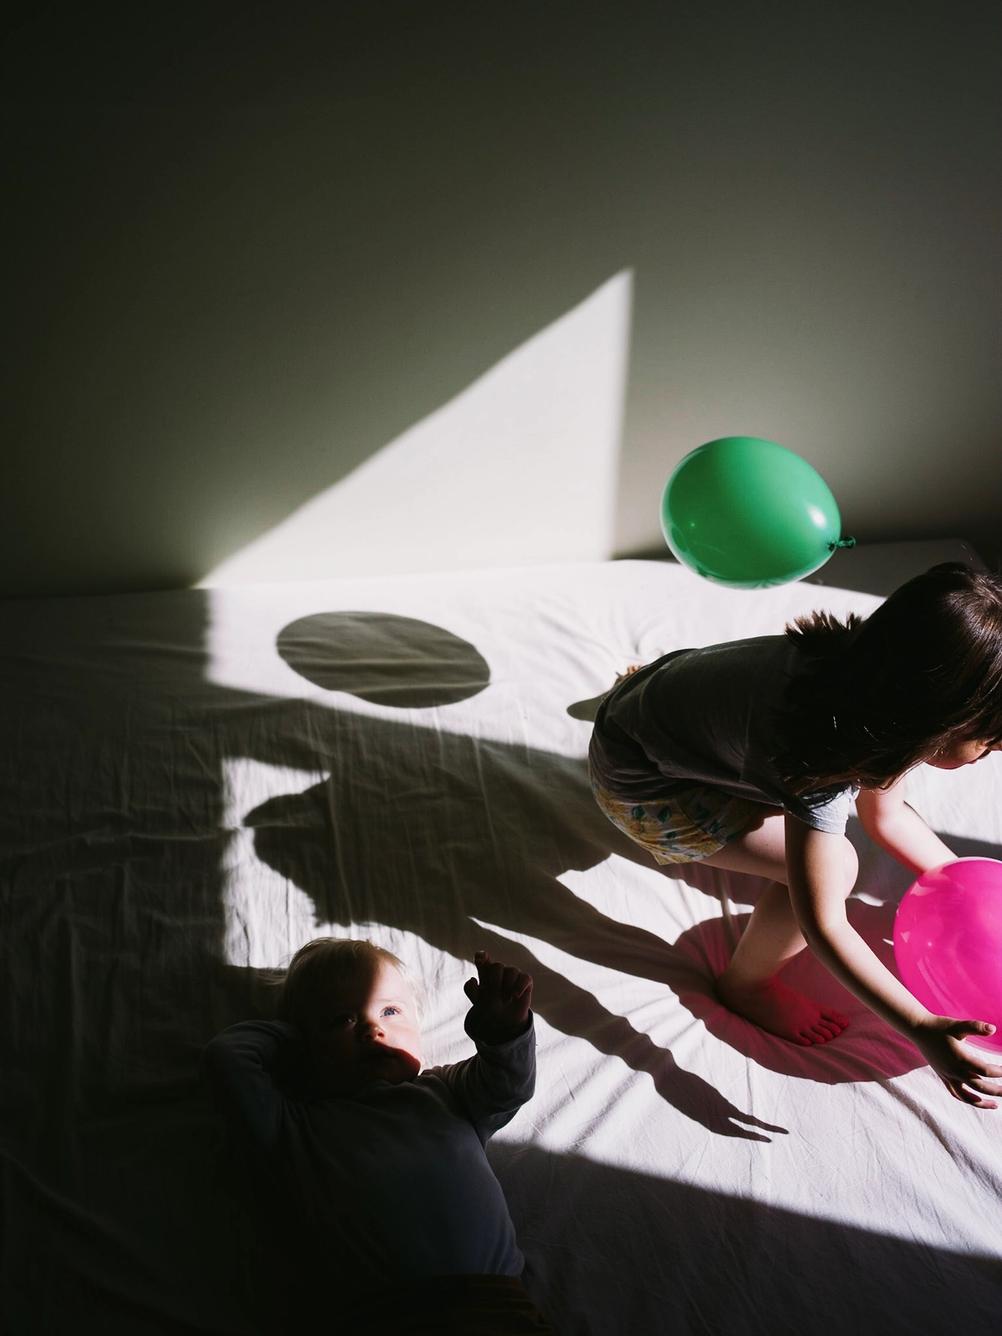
x,y
195,783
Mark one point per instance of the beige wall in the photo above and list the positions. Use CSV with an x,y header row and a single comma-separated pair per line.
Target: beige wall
x,y
251,246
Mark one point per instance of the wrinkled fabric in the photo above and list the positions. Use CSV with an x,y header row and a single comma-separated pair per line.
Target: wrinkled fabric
x,y
193,784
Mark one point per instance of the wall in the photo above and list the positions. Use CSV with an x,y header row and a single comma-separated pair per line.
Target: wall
x,y
255,247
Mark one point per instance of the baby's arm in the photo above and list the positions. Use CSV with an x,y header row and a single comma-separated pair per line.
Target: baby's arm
x,y
240,1066
494,1085
815,869
895,826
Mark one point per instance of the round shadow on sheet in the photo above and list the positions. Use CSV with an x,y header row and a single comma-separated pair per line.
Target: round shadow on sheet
x,y
867,1050
384,659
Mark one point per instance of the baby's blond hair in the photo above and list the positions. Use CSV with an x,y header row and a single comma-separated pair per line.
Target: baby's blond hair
x,y
326,961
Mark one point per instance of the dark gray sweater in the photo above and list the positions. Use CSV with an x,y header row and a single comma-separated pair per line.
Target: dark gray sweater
x,y
706,716
392,1182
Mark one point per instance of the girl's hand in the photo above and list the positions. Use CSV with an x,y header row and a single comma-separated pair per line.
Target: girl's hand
x,y
966,1074
501,997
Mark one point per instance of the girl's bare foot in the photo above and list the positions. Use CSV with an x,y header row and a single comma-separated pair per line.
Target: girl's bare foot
x,y
782,1011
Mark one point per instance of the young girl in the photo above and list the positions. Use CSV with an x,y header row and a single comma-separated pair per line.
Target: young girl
x,y
748,755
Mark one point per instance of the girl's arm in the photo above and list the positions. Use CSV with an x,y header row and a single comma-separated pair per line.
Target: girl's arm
x,y
816,872
895,826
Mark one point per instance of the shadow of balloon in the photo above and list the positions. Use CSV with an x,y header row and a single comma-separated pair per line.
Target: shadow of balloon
x,y
383,658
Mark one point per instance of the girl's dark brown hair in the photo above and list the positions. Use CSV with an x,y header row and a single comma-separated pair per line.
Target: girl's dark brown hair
x,y
877,696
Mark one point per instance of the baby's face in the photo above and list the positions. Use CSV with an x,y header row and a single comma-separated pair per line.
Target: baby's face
x,y
367,1031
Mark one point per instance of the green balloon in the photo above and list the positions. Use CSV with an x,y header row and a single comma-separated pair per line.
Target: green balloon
x,y
749,513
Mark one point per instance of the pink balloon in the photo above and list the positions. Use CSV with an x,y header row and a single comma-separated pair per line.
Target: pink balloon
x,y
948,943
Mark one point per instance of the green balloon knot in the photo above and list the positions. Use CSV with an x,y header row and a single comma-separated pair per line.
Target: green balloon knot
x,y
842,542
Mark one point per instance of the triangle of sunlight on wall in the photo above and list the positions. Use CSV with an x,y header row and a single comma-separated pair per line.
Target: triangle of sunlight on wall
x,y
520,468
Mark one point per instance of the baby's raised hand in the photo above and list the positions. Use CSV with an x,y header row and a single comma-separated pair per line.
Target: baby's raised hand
x,y
501,996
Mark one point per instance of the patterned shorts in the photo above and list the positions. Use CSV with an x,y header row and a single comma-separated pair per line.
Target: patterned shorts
x,y
693,823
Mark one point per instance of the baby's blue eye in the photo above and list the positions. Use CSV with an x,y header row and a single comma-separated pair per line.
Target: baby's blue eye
x,y
390,1011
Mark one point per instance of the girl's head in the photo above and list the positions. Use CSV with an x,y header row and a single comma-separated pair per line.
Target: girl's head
x,y
358,1011
920,679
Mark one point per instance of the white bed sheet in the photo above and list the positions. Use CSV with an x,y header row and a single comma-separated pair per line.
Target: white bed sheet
x,y
196,783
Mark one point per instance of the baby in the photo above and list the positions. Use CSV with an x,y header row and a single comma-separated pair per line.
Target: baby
x,y
376,1169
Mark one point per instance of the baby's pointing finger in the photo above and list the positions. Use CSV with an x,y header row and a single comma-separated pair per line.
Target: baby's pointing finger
x,y
489,970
